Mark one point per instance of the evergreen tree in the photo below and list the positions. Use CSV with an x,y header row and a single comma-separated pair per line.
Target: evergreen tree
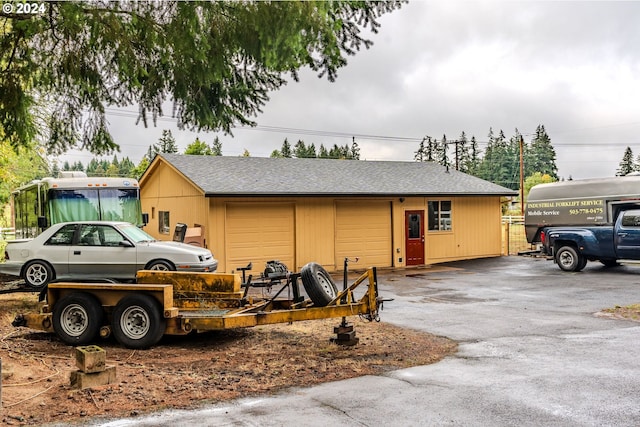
x,y
420,155
55,170
66,166
462,153
300,150
311,151
443,157
432,149
92,166
285,151
151,152
126,166
540,156
335,152
500,163
473,163
626,164
355,151
167,143
323,153
216,148
276,154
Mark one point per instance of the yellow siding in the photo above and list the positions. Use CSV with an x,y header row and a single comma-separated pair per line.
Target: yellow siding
x,y
168,190
259,233
315,228
363,230
476,231
297,230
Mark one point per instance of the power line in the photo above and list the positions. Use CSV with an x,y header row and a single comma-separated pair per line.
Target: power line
x,y
351,135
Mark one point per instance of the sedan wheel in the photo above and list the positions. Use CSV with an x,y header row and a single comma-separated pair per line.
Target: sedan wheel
x,y
37,274
160,266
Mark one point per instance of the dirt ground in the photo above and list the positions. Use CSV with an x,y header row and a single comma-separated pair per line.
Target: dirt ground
x,y
185,372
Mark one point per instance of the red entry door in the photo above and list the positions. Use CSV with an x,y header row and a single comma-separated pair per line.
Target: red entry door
x,y
414,227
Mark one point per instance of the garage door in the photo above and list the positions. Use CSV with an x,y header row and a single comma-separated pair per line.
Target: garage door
x,y
363,230
258,233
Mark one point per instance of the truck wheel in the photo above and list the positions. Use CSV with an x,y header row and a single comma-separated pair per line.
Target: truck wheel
x,y
610,262
138,321
318,284
37,274
568,259
77,318
583,263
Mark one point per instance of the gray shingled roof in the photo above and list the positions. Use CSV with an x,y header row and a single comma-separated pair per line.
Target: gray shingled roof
x,y
259,176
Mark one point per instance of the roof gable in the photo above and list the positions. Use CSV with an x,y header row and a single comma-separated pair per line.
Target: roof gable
x,y
259,176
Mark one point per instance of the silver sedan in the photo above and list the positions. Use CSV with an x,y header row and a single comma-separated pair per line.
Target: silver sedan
x,y
98,250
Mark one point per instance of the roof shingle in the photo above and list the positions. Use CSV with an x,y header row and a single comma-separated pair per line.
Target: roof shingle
x,y
259,176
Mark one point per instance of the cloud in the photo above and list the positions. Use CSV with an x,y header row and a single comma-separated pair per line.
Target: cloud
x,y
446,66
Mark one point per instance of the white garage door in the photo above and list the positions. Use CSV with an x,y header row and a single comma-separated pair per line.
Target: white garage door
x,y
363,230
259,232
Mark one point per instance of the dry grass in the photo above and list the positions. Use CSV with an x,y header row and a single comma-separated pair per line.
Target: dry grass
x,y
185,372
629,312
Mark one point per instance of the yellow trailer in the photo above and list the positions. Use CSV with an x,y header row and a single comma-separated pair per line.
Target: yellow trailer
x,y
177,303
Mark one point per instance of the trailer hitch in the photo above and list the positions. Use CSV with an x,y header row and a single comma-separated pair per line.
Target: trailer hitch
x,y
19,321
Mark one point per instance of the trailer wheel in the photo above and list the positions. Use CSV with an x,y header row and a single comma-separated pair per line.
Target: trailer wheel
x,y
37,274
77,318
138,321
318,284
568,259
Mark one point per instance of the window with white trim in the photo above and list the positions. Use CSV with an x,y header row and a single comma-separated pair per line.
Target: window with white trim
x,y
440,215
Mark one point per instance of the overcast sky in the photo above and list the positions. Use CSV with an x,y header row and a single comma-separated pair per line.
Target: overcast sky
x,y
442,67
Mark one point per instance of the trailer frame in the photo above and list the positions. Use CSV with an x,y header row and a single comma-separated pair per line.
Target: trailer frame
x,y
178,303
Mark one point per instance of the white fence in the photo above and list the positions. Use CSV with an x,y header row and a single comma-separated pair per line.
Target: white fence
x,y
7,233
514,239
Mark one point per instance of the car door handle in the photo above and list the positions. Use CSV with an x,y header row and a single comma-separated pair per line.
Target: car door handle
x,y
76,252
622,234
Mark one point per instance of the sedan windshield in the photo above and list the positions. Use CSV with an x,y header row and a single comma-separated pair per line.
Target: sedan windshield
x,y
135,234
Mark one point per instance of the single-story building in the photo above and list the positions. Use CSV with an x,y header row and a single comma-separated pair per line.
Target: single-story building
x,y
386,213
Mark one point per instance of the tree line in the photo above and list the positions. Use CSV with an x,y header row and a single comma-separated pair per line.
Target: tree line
x,y
167,144
500,161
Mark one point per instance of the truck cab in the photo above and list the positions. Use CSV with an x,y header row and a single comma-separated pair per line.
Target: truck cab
x,y
586,220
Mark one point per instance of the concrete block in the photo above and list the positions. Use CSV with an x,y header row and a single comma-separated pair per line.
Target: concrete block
x,y
90,359
81,380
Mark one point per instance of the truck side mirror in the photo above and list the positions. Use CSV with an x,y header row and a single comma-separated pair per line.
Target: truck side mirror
x,y
145,219
42,222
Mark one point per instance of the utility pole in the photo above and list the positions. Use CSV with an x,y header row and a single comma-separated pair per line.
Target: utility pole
x,y
521,175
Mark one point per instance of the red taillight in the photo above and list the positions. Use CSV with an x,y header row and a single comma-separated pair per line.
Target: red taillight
x,y
543,237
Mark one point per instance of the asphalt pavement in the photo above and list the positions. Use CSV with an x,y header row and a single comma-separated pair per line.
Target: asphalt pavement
x,y
532,352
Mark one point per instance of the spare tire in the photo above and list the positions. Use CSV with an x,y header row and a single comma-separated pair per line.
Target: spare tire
x,y
318,284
